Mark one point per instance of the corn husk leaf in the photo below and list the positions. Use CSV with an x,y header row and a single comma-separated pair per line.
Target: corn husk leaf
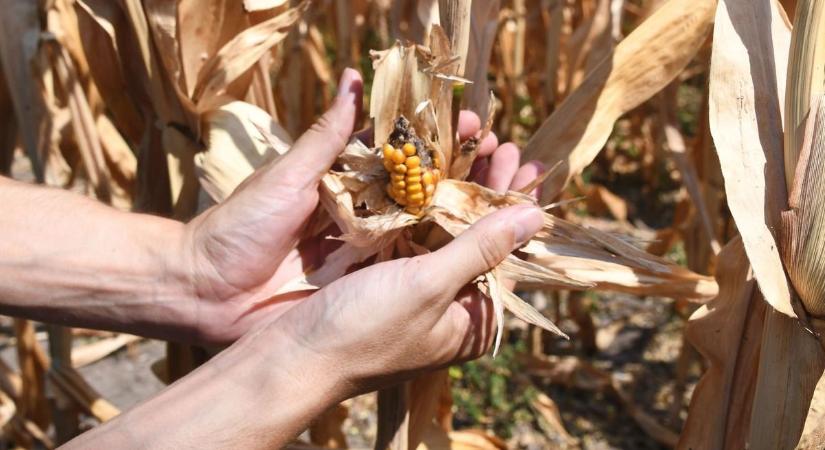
x,y
640,66
426,100
802,225
806,78
240,138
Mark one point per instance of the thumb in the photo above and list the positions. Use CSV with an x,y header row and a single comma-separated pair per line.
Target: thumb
x,y
316,150
483,246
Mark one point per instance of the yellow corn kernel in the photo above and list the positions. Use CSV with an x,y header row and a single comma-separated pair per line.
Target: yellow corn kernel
x,y
398,157
414,198
413,180
427,178
397,168
413,162
397,177
413,171
388,152
436,175
413,210
409,149
399,185
414,188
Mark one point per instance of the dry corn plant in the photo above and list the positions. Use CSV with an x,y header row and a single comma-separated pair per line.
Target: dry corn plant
x,y
207,122
167,106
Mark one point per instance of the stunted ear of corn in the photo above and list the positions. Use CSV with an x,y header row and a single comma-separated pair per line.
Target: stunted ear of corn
x,y
167,106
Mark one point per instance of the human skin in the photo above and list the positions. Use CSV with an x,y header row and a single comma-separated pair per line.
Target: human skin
x,y
69,260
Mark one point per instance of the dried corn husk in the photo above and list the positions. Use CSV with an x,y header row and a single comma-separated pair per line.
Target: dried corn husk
x,y
803,229
806,78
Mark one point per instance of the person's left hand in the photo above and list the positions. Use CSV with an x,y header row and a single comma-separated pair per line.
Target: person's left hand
x,y
243,250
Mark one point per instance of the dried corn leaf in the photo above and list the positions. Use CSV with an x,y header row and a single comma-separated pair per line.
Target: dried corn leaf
x,y
141,56
641,65
746,126
238,55
121,162
483,26
98,21
204,26
568,255
495,292
262,5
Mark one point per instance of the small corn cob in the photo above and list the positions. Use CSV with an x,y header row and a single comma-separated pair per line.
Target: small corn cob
x,y
413,171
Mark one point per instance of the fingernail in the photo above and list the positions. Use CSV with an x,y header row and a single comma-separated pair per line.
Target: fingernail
x,y
527,221
345,83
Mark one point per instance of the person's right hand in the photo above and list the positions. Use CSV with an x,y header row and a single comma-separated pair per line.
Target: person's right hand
x,y
384,323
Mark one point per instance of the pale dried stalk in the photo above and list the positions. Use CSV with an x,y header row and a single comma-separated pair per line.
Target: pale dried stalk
x,y
727,332
455,19
19,40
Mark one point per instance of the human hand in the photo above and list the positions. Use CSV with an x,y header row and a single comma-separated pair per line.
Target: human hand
x,y
236,248
245,249
385,322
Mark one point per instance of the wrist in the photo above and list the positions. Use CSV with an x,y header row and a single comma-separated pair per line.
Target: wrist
x,y
165,241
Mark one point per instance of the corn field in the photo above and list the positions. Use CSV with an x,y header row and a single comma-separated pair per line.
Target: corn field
x,y
683,142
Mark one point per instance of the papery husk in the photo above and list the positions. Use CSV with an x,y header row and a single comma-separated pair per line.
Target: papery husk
x,y
239,139
416,82
565,255
803,239
806,78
